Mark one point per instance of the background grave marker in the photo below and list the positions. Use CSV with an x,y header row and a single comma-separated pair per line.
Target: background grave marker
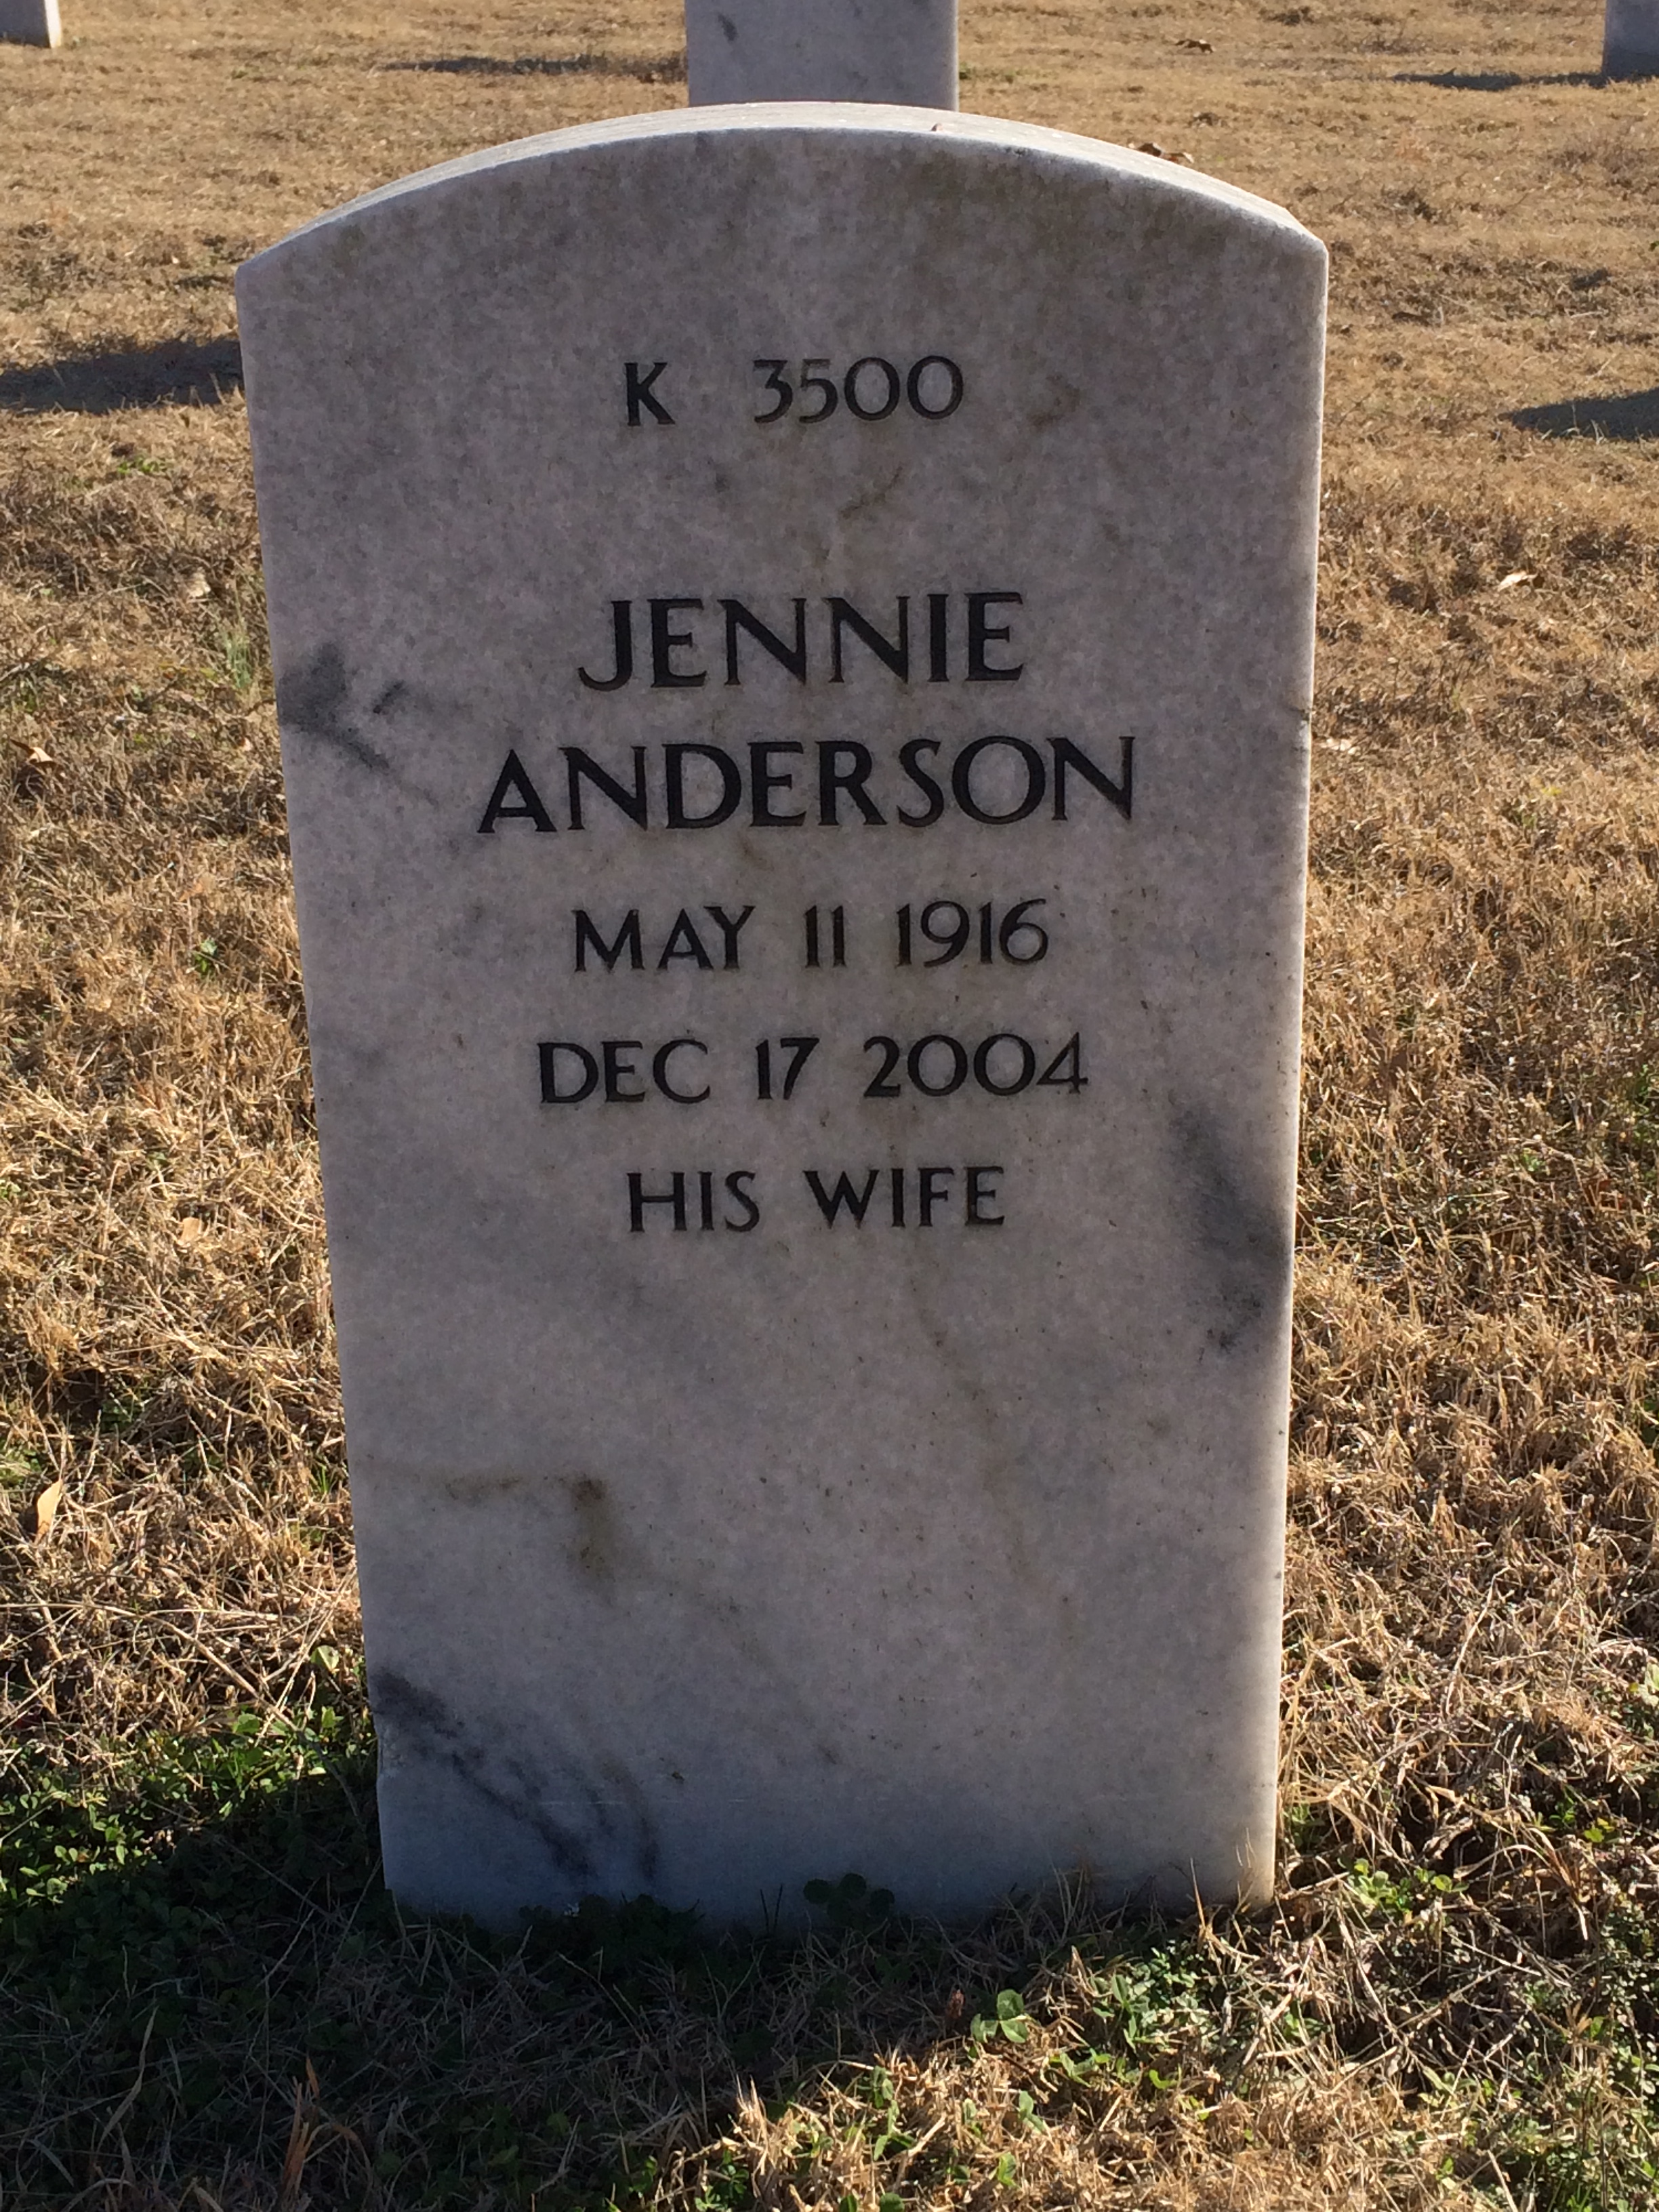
x,y
31,22
1630,44
797,780
904,50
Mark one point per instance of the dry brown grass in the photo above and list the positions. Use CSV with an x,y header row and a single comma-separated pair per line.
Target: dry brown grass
x,y
1454,2002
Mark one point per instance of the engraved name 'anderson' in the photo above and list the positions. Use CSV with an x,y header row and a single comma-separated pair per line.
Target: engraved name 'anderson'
x,y
778,784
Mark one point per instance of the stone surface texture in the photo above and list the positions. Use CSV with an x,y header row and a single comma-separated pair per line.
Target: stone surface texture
x,y
902,51
1630,45
707,1559
31,22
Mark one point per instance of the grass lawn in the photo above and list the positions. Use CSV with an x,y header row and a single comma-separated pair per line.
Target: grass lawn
x,y
207,2000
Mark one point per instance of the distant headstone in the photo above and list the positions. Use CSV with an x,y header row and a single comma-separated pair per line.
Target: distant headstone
x,y
1630,44
904,50
31,22
793,637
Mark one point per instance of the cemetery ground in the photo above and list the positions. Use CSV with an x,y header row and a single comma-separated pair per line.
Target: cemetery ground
x,y
206,1998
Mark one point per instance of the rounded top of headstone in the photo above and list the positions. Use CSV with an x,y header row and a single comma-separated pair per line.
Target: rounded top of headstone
x,y
711,128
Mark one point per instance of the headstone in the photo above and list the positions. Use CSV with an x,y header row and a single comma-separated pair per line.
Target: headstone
x,y
31,22
879,50
793,637
1630,44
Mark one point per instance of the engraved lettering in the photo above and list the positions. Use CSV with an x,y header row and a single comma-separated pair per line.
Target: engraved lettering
x,y
529,808
621,650
844,616
665,643
639,394
627,940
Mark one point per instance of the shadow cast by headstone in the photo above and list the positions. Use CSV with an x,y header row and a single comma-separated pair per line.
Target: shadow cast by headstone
x,y
150,1947
662,69
177,372
230,2001
1493,80
1624,418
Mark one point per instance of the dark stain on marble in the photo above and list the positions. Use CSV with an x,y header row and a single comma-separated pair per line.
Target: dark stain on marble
x,y
617,1841
314,702
1244,1247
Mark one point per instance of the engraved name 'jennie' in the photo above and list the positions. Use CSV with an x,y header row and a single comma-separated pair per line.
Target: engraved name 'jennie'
x,y
955,639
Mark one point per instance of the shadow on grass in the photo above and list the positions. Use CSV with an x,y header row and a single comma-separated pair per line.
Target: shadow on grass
x,y
178,372
663,68
204,1987
1626,418
209,2003
1494,80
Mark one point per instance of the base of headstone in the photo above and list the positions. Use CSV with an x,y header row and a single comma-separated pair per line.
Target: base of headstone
x,y
31,23
1630,46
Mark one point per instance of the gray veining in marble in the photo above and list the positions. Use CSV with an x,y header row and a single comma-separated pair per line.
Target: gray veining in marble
x,y
887,1475
1630,44
902,51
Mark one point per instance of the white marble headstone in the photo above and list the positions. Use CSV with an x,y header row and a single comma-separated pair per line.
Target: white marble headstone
x,y
31,22
1630,44
793,631
879,50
